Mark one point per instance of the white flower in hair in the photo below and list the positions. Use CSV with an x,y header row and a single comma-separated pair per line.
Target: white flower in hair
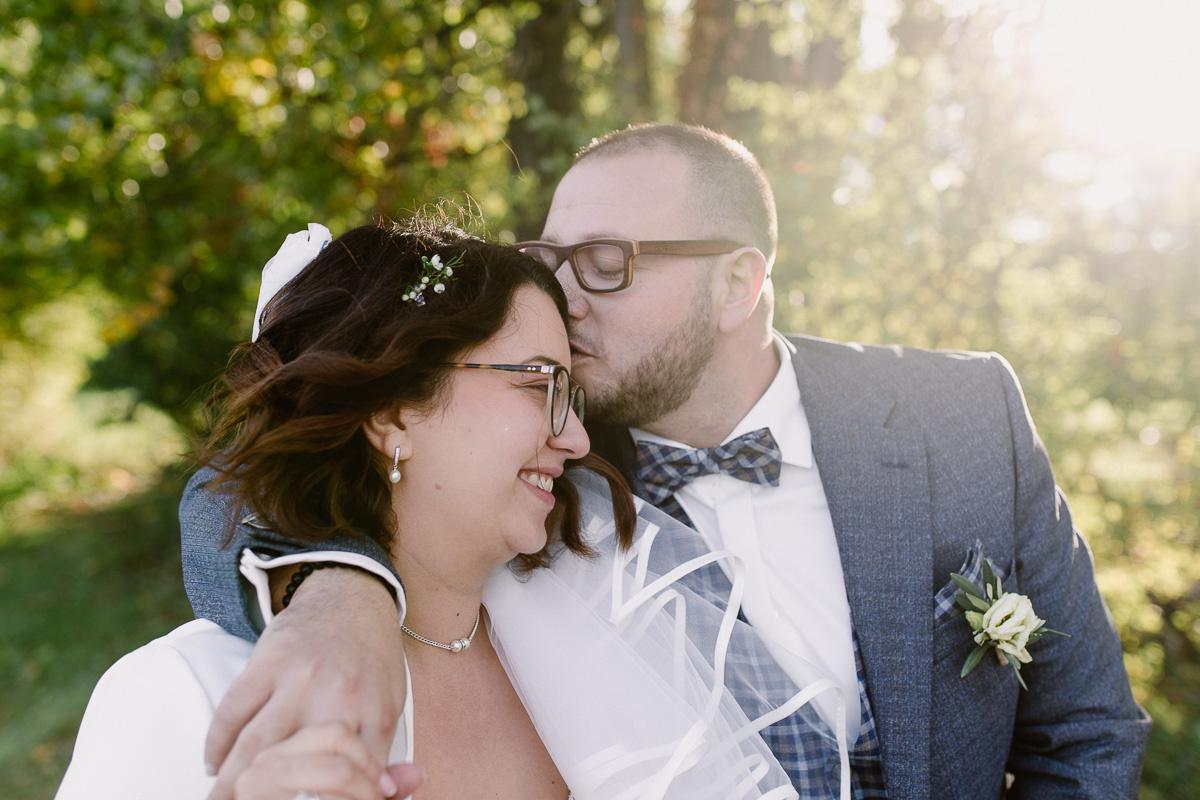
x,y
433,271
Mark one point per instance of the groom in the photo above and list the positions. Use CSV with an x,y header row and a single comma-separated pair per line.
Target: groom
x,y
852,480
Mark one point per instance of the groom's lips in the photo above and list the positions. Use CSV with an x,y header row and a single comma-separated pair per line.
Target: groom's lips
x,y
580,352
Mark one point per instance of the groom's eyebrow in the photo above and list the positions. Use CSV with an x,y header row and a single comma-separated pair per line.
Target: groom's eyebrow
x,y
549,237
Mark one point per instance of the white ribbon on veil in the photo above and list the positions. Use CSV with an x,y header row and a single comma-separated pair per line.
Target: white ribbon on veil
x,y
641,680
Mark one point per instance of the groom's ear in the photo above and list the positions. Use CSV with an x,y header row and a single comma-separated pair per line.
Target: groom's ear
x,y
739,284
386,430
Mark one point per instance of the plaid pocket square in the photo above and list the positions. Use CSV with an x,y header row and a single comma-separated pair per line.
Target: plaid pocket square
x,y
944,606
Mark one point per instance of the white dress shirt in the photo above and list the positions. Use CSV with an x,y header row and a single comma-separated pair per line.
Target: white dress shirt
x,y
795,593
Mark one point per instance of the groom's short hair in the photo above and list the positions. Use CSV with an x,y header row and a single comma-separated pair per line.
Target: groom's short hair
x,y
732,193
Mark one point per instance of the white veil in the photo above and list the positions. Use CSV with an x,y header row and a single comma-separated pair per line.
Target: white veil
x,y
643,683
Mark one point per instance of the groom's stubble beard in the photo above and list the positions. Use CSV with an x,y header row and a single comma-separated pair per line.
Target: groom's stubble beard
x,y
662,380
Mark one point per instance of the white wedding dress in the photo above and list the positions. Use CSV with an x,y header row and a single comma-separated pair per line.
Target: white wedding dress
x,y
639,686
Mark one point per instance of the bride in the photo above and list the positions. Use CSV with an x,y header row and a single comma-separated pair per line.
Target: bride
x,y
412,384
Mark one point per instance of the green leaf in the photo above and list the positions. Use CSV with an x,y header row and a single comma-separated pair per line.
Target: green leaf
x,y
973,660
966,601
965,585
970,602
1053,632
981,604
1016,665
989,578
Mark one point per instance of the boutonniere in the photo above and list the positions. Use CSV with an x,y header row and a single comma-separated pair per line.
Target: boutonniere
x,y
999,620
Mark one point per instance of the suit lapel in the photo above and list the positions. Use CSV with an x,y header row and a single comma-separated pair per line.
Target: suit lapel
x,y
876,481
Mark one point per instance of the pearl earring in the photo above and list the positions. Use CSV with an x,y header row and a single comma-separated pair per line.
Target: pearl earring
x,y
394,475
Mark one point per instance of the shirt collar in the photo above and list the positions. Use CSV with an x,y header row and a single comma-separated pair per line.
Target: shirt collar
x,y
779,409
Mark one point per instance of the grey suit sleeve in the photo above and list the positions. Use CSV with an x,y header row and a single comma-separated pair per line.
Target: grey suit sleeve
x,y
210,563
1078,731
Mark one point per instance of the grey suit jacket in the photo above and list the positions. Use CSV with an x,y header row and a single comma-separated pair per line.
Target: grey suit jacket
x,y
922,455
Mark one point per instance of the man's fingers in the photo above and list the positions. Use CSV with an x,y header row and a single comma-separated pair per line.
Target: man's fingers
x,y
241,702
323,774
377,737
275,722
407,778
337,738
334,738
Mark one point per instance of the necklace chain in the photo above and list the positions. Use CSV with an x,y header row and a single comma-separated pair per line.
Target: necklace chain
x,y
456,646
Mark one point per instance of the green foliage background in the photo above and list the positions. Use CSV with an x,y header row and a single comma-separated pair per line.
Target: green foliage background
x,y
155,153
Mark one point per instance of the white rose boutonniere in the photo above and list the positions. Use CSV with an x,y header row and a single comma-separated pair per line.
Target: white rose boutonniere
x,y
999,620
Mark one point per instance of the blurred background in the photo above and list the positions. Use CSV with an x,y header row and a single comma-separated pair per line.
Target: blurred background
x,y
1013,175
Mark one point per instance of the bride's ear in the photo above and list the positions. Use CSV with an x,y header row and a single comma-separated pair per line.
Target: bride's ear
x,y
387,431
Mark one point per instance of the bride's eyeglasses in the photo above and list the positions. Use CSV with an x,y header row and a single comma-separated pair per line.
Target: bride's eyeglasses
x,y
563,394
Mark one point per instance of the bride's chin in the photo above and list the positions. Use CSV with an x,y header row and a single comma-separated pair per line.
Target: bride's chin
x,y
530,543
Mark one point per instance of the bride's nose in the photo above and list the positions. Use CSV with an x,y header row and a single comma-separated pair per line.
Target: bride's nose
x,y
573,439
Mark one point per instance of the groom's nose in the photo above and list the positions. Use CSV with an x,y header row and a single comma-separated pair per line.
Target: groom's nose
x,y
577,303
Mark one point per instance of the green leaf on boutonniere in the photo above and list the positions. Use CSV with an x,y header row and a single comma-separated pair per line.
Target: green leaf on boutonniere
x,y
970,602
966,586
1016,666
990,581
973,660
1052,632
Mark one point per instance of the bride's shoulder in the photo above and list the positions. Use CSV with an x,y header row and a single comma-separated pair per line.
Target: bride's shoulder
x,y
145,723
197,652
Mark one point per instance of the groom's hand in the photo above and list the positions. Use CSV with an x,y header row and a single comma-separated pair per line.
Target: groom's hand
x,y
334,656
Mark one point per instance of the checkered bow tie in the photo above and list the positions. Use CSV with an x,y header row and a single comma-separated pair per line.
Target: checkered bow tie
x,y
663,470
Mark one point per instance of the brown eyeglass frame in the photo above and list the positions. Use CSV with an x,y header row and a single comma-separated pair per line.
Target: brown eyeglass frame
x,y
632,248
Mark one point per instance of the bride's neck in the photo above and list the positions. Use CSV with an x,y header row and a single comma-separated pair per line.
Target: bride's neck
x,y
443,602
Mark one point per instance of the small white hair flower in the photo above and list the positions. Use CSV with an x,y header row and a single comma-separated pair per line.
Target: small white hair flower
x,y
434,272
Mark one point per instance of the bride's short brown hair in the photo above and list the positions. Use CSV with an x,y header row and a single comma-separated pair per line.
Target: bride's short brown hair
x,y
338,344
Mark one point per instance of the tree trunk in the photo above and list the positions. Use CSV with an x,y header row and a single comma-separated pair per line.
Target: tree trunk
x,y
635,92
702,83
543,139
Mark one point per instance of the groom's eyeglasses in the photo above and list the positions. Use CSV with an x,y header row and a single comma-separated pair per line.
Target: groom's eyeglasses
x,y
563,394
606,265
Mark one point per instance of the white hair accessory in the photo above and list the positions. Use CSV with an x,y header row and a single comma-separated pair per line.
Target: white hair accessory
x,y
297,252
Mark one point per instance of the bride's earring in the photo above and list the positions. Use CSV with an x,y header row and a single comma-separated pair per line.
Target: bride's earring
x,y
394,475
